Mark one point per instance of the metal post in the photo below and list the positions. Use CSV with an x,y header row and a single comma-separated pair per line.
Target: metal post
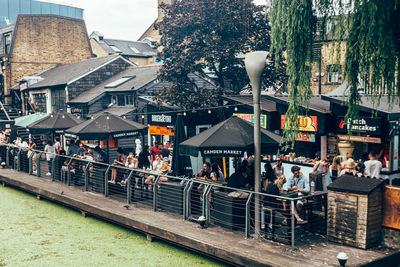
x,y
255,63
206,202
185,200
106,181
69,172
38,163
30,165
155,193
129,189
19,160
292,207
188,194
8,156
247,226
87,176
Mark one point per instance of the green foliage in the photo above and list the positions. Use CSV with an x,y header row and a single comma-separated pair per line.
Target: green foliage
x,y
207,37
370,30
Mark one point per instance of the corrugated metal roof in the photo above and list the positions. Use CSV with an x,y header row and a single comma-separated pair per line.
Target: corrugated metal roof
x,y
265,104
316,103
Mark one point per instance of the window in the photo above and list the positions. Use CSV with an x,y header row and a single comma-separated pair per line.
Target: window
x,y
129,100
116,49
121,100
334,74
7,42
134,49
114,99
101,38
119,82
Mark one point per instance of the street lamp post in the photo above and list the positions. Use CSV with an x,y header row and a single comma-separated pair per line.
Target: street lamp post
x,y
255,63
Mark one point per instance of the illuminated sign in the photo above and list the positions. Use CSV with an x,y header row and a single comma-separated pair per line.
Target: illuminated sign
x,y
304,123
160,130
362,125
250,118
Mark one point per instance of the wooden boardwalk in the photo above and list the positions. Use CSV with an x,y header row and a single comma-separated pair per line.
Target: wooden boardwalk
x,y
214,242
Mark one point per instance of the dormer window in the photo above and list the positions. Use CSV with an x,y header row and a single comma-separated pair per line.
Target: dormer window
x,y
101,38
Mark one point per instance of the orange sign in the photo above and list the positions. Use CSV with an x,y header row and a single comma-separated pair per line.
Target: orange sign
x,y
364,139
305,123
391,216
160,130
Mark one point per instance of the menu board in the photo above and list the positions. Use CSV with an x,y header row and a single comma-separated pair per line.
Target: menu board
x,y
332,150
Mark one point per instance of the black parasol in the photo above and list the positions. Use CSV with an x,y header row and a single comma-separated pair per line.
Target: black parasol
x,y
104,126
56,123
179,163
230,138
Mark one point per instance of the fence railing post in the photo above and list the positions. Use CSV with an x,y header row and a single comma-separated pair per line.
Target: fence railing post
x,y
38,168
155,193
53,166
185,200
86,174
129,189
106,181
247,223
292,222
188,196
18,160
69,172
30,162
206,202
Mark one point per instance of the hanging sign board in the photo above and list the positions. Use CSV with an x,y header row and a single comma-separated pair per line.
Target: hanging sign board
x,y
250,118
305,123
355,138
363,125
160,130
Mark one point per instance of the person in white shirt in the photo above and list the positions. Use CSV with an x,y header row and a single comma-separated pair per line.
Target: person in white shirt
x,y
373,166
50,155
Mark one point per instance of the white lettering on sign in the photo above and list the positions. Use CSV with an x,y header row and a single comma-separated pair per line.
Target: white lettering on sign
x,y
124,134
161,118
360,125
222,151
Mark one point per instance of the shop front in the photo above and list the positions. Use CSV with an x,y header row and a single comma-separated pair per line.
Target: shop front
x,y
161,128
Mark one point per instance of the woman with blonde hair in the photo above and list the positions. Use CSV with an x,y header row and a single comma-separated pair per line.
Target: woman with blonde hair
x,y
280,181
336,167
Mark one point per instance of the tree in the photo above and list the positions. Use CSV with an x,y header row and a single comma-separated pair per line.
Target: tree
x,y
370,31
208,37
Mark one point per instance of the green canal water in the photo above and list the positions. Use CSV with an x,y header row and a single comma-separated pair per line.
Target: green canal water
x,y
40,233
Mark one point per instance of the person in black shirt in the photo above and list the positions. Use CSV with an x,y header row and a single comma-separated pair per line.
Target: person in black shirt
x,y
238,179
144,160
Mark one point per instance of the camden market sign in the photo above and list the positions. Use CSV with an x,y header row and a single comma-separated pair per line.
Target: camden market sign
x,y
362,125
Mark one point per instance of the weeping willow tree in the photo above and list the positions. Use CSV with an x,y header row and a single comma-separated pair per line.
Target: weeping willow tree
x,y
370,32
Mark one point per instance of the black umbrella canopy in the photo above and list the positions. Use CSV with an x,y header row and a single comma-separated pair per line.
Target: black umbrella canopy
x,y
179,162
57,122
230,138
104,126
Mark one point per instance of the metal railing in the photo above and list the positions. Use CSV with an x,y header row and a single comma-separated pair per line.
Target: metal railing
x,y
230,208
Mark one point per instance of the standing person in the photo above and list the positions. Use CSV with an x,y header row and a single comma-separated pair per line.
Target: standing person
x,y
138,147
322,166
216,174
57,144
120,161
335,168
269,172
50,155
154,151
144,158
373,166
33,154
278,168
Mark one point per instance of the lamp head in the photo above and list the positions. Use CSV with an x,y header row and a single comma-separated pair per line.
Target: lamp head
x,y
255,63
202,221
342,258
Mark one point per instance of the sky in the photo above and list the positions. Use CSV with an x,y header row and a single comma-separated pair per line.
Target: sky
x,y
118,19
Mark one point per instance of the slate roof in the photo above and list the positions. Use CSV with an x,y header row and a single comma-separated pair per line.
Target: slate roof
x,y
143,48
265,104
141,76
316,103
65,73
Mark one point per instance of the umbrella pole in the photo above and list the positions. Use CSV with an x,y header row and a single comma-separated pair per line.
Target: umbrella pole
x,y
108,150
224,164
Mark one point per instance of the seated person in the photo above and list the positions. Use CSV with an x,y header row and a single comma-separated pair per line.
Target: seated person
x,y
216,174
100,155
80,153
238,179
165,169
205,172
298,183
131,163
119,161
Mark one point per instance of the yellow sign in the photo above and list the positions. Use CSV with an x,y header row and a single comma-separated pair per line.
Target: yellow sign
x,y
250,118
305,123
160,130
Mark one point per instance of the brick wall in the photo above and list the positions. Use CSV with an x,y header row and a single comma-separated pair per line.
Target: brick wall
x,y
41,41
97,49
391,238
97,77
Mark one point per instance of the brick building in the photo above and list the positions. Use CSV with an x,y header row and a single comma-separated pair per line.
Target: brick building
x,y
37,42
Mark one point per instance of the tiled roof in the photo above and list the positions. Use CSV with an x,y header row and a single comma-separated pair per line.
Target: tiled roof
x,y
63,74
117,110
265,104
129,48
